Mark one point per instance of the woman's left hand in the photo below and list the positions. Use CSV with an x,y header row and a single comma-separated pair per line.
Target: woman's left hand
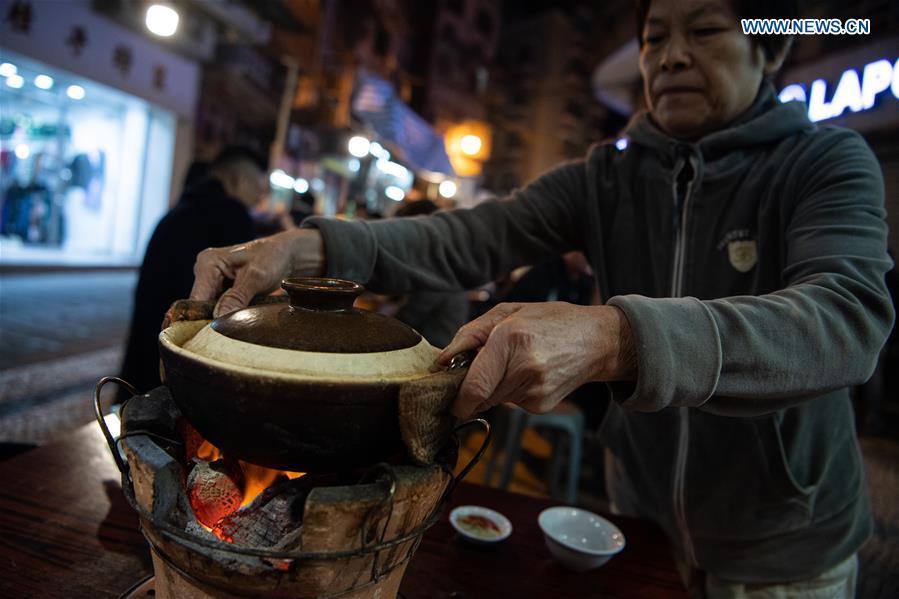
x,y
534,355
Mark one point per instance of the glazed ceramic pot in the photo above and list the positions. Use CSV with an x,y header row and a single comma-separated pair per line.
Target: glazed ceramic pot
x,y
308,385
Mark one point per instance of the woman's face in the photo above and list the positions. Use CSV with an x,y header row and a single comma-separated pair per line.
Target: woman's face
x,y
699,70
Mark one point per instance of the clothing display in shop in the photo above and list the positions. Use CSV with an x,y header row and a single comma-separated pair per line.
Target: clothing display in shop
x,y
26,214
87,173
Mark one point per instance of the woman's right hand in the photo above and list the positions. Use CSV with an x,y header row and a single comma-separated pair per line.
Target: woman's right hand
x,y
255,267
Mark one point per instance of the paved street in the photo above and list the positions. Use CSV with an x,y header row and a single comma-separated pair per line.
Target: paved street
x,y
59,333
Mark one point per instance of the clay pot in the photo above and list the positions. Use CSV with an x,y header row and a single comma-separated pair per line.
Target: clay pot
x,y
310,385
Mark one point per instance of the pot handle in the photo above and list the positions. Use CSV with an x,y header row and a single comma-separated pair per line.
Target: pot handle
x,y
477,456
98,414
322,293
462,360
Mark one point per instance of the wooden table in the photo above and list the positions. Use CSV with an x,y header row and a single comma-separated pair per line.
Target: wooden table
x,y
67,531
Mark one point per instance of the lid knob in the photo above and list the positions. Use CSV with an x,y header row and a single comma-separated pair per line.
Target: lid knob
x,y
321,293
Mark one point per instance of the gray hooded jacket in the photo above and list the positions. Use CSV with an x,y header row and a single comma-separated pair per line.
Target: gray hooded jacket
x,y
750,265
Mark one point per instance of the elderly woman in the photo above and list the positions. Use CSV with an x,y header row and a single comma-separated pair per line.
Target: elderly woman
x,y
740,250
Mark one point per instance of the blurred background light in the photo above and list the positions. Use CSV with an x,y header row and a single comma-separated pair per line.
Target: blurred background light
x,y
162,20
358,146
301,185
354,165
379,151
76,92
15,81
394,193
8,69
470,144
279,178
392,168
318,185
447,188
22,151
43,81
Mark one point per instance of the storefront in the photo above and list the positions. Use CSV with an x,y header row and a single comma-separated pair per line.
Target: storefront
x,y
93,124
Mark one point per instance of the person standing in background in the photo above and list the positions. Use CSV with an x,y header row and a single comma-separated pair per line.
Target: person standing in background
x,y
214,210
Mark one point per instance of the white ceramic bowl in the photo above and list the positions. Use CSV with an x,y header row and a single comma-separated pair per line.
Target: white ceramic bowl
x,y
579,539
458,515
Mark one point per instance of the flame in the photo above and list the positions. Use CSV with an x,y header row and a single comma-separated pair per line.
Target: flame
x,y
256,479
209,452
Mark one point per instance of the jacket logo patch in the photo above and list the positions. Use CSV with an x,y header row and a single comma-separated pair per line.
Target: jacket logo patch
x,y
743,254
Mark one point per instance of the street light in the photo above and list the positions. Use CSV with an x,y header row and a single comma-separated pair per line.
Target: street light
x,y
378,151
447,188
43,81
358,146
279,178
470,144
8,69
394,193
75,92
301,185
162,20
15,81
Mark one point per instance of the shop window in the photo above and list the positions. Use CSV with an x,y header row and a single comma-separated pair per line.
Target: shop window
x,y
77,184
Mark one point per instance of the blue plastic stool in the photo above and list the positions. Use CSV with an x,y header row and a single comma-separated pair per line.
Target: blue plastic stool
x,y
566,418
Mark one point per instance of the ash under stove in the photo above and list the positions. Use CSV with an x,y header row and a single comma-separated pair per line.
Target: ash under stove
x,y
268,533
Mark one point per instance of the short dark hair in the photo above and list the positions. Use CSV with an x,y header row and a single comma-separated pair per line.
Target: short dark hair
x,y
771,45
196,172
231,155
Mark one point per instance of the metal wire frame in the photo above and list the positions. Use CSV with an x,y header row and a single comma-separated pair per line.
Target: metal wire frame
x,y
179,536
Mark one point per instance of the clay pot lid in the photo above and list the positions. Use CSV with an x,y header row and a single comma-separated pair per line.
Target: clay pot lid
x,y
319,317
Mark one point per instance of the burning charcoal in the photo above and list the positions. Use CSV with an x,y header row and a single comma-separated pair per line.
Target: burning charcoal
x,y
291,541
214,489
274,514
198,530
260,524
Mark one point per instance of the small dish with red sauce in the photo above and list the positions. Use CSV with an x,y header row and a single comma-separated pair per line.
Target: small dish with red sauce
x,y
480,524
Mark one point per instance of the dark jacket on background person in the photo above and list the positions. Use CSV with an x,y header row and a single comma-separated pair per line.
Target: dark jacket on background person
x,y
550,282
205,216
766,245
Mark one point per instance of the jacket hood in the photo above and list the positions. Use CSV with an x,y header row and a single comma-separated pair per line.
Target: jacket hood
x,y
766,120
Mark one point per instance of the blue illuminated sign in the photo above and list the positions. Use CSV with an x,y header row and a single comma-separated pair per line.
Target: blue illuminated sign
x,y
853,92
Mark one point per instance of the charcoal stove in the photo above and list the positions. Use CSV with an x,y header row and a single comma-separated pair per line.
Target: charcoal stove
x,y
349,535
